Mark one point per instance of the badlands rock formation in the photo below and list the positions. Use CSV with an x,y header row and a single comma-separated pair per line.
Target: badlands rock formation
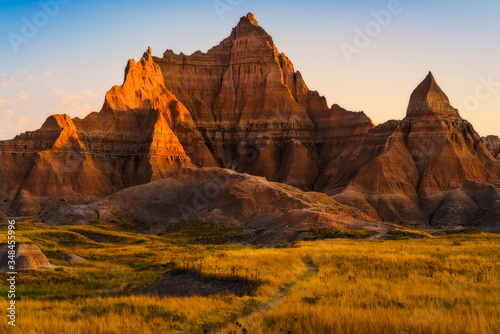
x,y
264,210
255,111
430,168
28,257
493,145
241,105
131,141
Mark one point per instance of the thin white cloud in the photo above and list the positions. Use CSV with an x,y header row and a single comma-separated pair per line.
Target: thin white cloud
x,y
20,71
33,94
79,105
22,76
50,71
91,95
5,101
23,121
22,96
7,115
12,82
35,76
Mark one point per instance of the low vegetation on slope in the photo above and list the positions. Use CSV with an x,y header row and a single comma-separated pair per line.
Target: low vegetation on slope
x,y
447,284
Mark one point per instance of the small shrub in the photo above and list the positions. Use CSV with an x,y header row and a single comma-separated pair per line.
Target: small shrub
x,y
49,244
250,305
138,265
93,283
30,236
312,300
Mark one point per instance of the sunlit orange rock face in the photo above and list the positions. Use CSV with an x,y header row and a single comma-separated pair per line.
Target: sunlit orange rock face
x,y
130,142
242,105
256,112
244,96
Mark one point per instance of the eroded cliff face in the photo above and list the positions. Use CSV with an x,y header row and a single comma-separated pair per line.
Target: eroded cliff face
x,y
493,145
243,97
242,105
255,111
130,142
266,211
430,168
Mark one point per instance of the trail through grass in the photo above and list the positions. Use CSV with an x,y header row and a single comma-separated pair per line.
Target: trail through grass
x,y
446,284
235,325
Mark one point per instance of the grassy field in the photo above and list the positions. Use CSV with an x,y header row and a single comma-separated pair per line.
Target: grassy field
x,y
414,284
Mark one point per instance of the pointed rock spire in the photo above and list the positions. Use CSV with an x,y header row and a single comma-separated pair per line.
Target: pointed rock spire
x,y
248,24
252,19
429,100
147,55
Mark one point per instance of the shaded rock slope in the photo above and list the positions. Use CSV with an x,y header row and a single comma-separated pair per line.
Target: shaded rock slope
x,y
430,168
241,105
493,145
263,210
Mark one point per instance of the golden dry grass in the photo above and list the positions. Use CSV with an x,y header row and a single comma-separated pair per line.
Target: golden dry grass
x,y
433,285
424,286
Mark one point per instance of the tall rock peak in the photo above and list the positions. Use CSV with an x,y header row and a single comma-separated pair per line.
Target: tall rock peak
x,y
147,55
242,105
252,19
248,25
429,100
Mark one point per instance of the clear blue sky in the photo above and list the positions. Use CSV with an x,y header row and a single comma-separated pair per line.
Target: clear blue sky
x,y
81,52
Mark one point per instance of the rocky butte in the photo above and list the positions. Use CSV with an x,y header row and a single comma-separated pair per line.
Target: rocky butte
x,y
242,106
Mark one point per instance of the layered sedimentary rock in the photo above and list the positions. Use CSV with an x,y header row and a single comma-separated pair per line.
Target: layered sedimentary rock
x,y
28,257
256,112
249,104
430,168
241,105
131,141
493,145
263,210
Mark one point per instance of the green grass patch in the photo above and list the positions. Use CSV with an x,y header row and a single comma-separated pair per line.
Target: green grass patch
x,y
156,311
465,230
329,233
193,232
402,234
101,237
68,239
94,310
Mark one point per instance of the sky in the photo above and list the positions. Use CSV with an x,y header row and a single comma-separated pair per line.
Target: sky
x,y
62,56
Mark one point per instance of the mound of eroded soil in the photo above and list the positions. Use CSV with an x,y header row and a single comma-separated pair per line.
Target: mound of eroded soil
x,y
28,257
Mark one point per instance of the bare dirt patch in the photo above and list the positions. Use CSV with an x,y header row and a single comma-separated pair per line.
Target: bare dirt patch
x,y
187,283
